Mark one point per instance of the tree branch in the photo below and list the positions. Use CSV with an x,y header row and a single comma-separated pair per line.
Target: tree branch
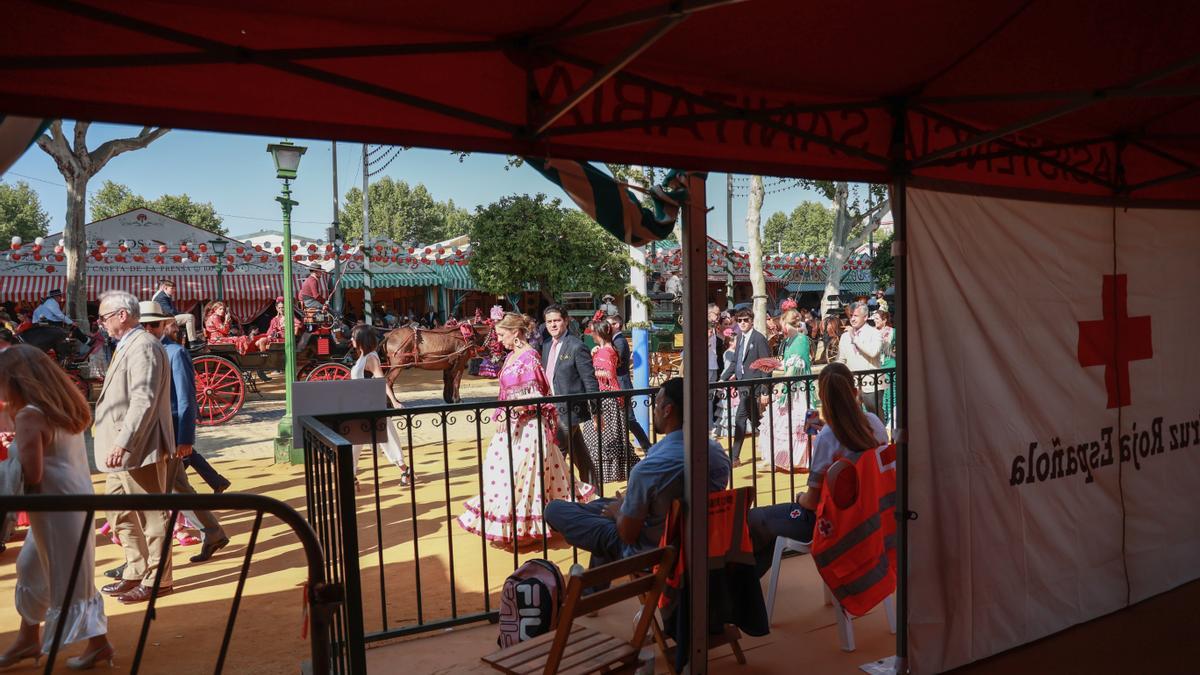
x,y
876,217
112,148
55,145
81,129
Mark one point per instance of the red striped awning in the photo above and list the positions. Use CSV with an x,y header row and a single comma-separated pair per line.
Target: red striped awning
x,y
188,287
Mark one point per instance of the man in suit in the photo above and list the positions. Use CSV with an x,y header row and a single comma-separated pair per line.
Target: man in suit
x,y
569,370
621,345
134,440
751,345
183,413
165,297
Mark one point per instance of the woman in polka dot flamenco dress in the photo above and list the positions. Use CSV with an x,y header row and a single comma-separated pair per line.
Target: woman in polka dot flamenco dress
x,y
510,511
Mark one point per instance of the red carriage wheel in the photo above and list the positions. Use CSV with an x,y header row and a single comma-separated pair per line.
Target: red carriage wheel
x,y
328,371
220,390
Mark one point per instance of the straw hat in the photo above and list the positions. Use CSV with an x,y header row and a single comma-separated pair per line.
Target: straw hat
x,y
151,312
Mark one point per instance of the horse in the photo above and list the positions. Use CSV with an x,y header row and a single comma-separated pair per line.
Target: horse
x,y
444,349
48,337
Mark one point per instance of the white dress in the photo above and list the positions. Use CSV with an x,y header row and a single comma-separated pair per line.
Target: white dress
x,y
391,444
44,564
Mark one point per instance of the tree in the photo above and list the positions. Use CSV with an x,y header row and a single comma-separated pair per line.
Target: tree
x,y
857,214
807,229
77,165
758,281
403,213
883,267
523,240
115,198
21,213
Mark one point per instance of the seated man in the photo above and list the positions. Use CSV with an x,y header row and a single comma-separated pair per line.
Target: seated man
x,y
311,297
612,529
50,312
165,297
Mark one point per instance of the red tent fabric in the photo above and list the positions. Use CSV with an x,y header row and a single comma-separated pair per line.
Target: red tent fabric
x,y
1074,99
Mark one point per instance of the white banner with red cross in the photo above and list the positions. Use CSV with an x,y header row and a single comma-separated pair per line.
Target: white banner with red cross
x,y
1054,426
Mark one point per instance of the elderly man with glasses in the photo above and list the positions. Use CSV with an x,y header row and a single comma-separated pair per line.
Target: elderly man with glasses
x,y
134,441
751,345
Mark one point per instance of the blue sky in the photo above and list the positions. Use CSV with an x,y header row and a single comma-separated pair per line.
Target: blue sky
x,y
235,173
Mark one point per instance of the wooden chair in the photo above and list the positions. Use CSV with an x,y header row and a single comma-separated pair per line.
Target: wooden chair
x,y
577,650
729,635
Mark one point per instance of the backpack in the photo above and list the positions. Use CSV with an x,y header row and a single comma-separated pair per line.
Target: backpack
x,y
530,602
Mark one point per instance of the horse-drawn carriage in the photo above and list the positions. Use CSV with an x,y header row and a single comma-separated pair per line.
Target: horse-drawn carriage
x,y
224,374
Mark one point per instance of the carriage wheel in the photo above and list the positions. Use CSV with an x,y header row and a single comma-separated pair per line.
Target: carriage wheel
x,y
220,390
81,384
328,371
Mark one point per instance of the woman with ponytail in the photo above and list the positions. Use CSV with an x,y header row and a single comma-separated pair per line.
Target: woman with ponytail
x,y
848,432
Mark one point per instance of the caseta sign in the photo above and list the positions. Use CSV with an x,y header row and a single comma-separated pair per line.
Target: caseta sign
x,y
1054,421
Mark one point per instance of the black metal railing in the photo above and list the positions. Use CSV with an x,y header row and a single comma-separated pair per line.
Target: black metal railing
x,y
427,573
321,598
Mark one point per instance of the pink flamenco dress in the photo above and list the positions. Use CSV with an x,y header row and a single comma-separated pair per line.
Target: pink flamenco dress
x,y
511,506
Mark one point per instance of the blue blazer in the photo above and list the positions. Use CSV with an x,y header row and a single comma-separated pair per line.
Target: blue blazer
x,y
183,392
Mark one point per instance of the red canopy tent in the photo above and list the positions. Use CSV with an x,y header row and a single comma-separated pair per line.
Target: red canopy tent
x,y
1070,102
1087,99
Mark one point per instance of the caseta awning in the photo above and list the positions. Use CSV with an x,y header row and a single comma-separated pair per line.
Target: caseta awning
x,y
34,288
391,280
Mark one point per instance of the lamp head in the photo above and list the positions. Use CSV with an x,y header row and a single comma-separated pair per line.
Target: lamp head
x,y
218,246
287,158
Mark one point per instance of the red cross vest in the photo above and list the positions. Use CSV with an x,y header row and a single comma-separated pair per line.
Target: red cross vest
x,y
854,545
728,536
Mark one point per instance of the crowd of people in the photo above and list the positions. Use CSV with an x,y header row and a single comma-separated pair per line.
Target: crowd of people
x,y
144,434
143,428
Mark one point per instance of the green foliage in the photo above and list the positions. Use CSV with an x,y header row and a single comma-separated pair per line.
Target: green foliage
x,y
522,239
882,267
403,213
808,229
21,213
114,199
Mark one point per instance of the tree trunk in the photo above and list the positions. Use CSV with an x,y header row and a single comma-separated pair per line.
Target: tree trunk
x,y
758,281
75,250
837,254
841,246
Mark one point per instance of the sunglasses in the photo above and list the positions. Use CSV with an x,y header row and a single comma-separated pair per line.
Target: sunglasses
x,y
745,321
106,317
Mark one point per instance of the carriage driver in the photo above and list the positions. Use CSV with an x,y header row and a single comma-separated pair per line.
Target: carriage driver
x,y
50,312
165,297
310,291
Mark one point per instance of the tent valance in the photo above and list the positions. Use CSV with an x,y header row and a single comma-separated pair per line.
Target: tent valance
x,y
391,280
33,288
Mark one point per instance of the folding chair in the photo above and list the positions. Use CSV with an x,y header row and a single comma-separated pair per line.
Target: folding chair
x,y
844,622
576,650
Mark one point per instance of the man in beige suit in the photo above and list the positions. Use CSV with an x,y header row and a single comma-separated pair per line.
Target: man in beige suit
x,y
134,439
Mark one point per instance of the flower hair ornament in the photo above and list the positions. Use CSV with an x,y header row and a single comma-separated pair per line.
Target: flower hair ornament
x,y
496,313
598,315
790,303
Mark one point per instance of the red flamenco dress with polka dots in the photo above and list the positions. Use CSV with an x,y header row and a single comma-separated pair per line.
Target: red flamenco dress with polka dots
x,y
509,511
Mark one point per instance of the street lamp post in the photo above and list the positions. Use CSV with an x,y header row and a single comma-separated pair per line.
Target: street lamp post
x,y
218,247
287,161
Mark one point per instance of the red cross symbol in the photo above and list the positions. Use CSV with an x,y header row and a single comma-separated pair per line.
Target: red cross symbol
x,y
1115,340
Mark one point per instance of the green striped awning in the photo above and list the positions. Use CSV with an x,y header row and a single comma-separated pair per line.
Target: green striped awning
x,y
392,280
844,287
456,277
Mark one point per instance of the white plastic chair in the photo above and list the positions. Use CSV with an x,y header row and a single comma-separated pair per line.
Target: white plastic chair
x,y
844,623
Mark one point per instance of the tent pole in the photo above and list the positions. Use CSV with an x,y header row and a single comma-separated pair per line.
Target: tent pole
x,y
900,168
695,424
